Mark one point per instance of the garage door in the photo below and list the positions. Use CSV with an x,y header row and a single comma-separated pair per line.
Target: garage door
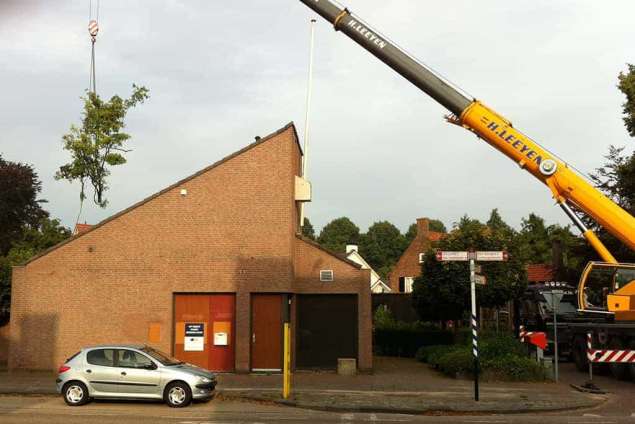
x,y
204,330
326,330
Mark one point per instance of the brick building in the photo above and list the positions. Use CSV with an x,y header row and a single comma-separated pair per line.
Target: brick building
x,y
408,267
219,252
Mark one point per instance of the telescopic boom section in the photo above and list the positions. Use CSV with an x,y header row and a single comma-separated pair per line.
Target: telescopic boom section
x,y
568,187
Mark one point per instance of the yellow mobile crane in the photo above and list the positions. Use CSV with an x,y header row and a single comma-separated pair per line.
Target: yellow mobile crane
x,y
606,291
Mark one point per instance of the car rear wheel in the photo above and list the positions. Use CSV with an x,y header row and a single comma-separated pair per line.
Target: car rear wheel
x,y
178,394
75,393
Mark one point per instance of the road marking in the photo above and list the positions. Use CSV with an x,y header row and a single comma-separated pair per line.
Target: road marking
x,y
347,417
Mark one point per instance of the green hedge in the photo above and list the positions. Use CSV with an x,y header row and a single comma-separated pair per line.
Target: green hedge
x,y
501,358
406,340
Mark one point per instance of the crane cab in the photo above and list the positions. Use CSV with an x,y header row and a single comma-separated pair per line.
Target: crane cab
x,y
607,288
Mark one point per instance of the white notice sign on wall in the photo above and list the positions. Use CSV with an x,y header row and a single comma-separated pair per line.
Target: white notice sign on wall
x,y
194,337
220,339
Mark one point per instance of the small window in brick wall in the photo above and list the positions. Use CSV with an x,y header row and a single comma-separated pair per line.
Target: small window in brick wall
x,y
422,256
326,275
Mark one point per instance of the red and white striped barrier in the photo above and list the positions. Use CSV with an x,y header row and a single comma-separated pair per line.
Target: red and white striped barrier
x,y
536,338
608,355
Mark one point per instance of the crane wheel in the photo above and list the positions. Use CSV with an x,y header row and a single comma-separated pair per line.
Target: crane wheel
x,y
619,371
579,354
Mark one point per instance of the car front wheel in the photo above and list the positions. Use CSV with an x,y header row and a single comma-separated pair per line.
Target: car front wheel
x,y
178,395
75,393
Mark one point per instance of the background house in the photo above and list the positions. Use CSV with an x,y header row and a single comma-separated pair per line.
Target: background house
x,y
376,284
408,267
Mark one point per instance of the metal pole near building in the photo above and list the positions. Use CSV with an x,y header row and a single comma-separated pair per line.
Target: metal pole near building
x,y
555,303
286,367
474,325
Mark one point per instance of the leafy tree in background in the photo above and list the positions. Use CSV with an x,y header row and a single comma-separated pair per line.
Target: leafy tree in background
x,y
616,178
338,233
307,229
626,85
33,240
99,143
438,226
381,246
442,290
19,206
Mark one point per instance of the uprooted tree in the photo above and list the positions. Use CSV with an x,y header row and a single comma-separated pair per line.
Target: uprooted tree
x,y
99,143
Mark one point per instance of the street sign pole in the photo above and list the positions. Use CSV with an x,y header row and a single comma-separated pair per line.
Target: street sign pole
x,y
473,257
474,325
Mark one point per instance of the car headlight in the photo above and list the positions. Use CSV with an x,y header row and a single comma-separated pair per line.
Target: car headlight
x,y
205,380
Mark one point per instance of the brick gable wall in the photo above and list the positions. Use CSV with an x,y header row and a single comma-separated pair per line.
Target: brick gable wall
x,y
232,232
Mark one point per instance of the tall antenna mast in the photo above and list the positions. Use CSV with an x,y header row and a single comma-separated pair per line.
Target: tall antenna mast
x,y
309,92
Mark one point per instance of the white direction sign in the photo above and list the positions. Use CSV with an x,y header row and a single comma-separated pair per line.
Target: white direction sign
x,y
480,279
446,255
482,256
500,255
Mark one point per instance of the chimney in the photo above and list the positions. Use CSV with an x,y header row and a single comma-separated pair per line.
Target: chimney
x,y
351,248
423,226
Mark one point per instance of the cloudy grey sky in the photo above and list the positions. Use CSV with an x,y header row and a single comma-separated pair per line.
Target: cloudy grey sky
x,y
222,72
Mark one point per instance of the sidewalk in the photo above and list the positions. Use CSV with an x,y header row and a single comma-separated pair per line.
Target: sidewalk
x,y
397,386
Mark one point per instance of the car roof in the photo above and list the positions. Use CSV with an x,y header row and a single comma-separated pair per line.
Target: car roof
x,y
115,346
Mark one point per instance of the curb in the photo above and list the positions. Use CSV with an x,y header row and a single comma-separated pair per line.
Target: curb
x,y
411,411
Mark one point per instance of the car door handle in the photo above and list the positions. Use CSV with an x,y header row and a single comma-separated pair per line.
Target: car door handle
x,y
123,373
89,371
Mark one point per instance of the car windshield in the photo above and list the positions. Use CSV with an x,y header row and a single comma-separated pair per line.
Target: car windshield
x,y
161,357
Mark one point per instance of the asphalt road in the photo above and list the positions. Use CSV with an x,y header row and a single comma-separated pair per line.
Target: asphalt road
x,y
52,410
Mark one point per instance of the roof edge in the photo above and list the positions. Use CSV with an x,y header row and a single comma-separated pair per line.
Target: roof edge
x,y
313,243
142,202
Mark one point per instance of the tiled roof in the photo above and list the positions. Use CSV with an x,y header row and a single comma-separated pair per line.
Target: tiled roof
x,y
540,272
81,228
435,236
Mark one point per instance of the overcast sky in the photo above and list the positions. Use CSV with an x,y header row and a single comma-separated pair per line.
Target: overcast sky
x,y
221,73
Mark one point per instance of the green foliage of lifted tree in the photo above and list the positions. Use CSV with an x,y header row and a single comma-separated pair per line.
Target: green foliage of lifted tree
x,y
99,143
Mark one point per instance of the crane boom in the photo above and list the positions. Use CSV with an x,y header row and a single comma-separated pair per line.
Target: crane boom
x,y
567,187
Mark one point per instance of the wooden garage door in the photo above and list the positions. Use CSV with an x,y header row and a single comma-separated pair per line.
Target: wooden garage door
x,y
215,314
266,328
326,330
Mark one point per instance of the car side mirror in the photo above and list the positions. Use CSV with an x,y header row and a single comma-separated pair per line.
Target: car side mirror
x,y
150,366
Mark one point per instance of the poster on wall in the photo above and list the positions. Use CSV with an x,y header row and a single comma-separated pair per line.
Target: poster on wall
x,y
194,337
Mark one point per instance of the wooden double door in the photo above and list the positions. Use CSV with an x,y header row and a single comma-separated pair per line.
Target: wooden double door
x,y
267,317
212,316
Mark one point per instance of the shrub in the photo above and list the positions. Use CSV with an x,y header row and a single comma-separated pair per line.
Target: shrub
x,y
405,339
513,368
502,358
431,354
495,346
456,361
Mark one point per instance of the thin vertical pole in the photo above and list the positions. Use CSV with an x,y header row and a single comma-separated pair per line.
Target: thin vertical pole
x,y
589,337
286,366
555,332
474,326
309,94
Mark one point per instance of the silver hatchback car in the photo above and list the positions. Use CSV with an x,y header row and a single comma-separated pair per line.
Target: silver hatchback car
x,y
132,371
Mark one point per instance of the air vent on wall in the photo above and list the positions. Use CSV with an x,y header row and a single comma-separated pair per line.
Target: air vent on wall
x,y
326,275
